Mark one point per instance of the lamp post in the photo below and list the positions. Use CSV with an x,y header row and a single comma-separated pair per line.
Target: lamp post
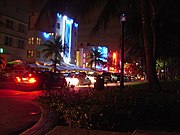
x,y
122,20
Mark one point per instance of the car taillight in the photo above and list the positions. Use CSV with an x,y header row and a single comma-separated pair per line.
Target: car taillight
x,y
32,80
18,79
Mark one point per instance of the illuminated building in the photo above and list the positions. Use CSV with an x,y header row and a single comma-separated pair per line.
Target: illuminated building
x,y
84,52
64,27
13,31
113,62
67,29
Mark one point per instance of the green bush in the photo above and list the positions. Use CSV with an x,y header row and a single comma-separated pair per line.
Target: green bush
x,y
115,110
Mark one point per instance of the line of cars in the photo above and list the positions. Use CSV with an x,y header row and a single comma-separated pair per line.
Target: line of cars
x,y
49,80
41,80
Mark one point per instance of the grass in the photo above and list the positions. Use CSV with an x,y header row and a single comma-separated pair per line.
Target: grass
x,y
115,110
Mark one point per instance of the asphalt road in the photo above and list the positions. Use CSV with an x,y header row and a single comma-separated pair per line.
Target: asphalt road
x,y
18,110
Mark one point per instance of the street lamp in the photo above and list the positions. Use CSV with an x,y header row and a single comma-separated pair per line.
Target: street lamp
x,y
122,20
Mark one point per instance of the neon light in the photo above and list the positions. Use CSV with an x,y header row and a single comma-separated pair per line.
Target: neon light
x,y
63,31
70,40
59,15
76,25
46,35
67,30
69,21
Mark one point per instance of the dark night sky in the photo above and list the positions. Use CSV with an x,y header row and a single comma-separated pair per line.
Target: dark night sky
x,y
110,37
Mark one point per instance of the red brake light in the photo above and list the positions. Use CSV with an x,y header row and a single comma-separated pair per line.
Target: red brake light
x,y
32,80
18,79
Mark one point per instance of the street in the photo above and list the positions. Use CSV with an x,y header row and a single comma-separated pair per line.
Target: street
x,y
18,110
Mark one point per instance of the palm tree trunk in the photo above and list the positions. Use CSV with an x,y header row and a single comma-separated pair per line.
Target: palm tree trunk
x,y
95,60
153,82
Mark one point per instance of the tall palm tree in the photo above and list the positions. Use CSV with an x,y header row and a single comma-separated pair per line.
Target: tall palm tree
x,y
147,12
53,50
96,58
142,19
48,12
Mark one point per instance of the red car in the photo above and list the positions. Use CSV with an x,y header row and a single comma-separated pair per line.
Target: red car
x,y
42,80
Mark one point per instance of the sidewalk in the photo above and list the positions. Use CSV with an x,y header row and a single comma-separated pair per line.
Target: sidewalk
x,y
60,130
46,123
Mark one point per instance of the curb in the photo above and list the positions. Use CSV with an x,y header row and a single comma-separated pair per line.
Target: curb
x,y
46,123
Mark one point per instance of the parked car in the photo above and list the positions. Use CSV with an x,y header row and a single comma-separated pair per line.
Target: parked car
x,y
41,80
71,79
107,77
115,77
84,81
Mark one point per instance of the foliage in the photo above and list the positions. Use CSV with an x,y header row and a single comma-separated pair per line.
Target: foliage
x,y
115,110
53,50
96,58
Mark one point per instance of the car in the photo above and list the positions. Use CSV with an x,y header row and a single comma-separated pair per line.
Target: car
x,y
71,79
41,80
84,81
107,77
115,77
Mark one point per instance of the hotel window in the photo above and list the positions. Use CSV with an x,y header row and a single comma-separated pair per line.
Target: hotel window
x,y
37,54
38,41
51,34
31,40
58,25
9,24
21,44
8,41
30,53
21,28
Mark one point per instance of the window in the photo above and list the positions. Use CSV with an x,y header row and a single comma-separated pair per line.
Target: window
x,y
1,50
38,41
37,54
21,28
58,25
51,34
31,40
8,41
21,44
30,53
9,24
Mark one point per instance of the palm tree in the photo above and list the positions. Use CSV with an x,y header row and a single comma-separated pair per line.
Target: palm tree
x,y
53,50
48,13
142,19
145,9
96,58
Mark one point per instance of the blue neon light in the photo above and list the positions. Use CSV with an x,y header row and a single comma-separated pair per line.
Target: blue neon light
x,y
46,35
69,21
59,15
76,25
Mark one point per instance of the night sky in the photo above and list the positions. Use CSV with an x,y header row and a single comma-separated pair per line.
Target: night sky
x,y
110,37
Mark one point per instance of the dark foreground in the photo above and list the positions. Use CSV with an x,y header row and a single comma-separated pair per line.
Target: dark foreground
x,y
120,111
